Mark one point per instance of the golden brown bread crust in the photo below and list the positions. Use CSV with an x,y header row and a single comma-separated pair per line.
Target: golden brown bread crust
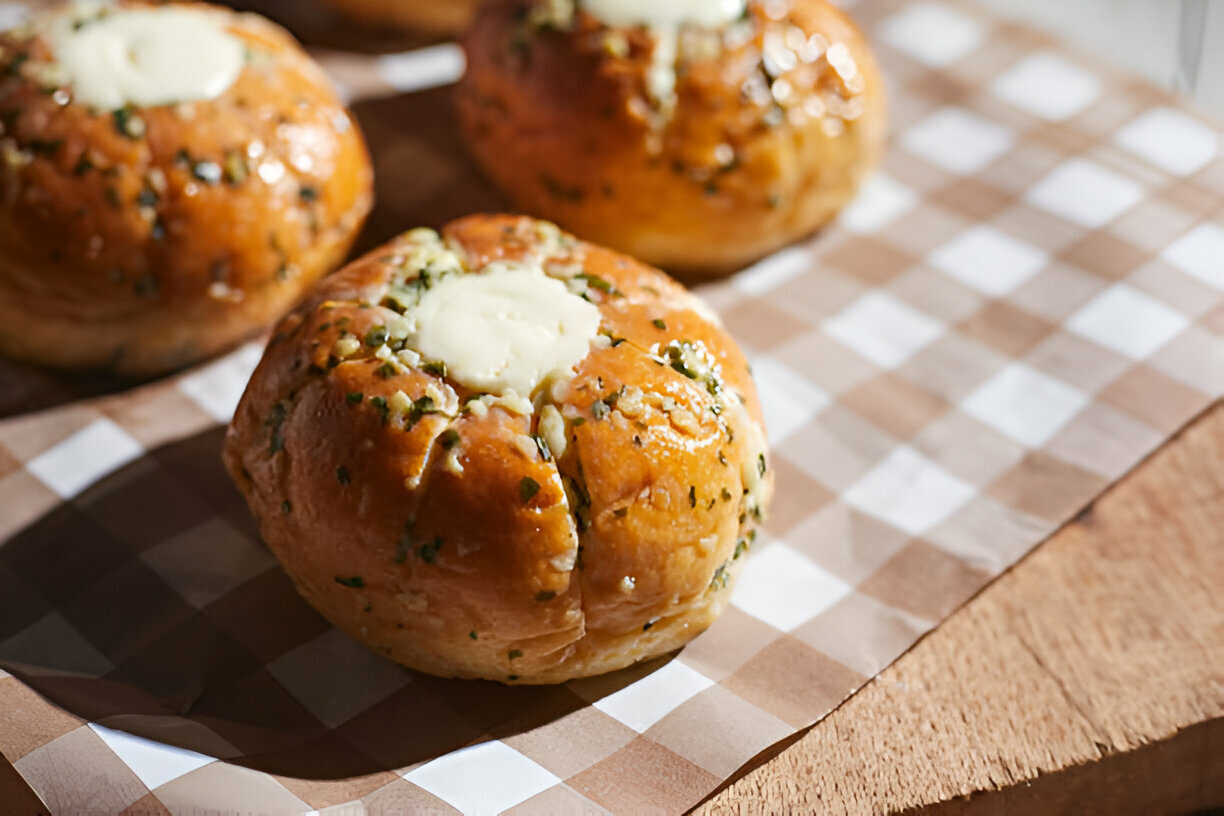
x,y
756,154
144,240
432,16
628,548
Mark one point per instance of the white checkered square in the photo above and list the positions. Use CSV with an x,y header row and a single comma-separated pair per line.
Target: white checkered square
x,y
932,33
1048,86
775,270
909,491
642,704
1085,193
882,329
1171,140
957,140
880,201
153,763
423,68
218,386
1127,321
1200,254
785,588
1024,404
83,458
788,399
13,14
484,779
988,260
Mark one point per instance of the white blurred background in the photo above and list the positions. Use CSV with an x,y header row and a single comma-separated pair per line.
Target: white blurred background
x,y
1177,44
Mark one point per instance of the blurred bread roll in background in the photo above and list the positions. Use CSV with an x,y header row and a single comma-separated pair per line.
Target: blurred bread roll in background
x,y
172,178
697,135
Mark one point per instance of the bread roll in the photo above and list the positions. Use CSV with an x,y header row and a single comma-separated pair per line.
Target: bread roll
x,y
171,179
503,453
447,17
699,142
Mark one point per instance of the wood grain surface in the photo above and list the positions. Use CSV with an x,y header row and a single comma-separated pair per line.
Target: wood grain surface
x,y
1090,679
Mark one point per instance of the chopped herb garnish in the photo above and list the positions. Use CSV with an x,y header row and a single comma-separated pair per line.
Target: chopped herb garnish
x,y
646,626
354,397
356,582
376,336
761,464
578,421
621,512
449,438
528,487
83,165
308,194
14,67
596,282
692,495
208,172
741,547
515,654
146,198
472,634
545,596
429,551
286,507
721,578
280,412
725,495
420,407
236,169
436,368
343,476
658,324
45,147
542,446
380,405
127,123
387,370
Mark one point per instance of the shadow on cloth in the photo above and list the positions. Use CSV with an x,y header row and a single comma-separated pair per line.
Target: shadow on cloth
x,y
148,603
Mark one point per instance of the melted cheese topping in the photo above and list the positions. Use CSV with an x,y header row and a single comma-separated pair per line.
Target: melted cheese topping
x,y
665,18
508,329
146,57
665,14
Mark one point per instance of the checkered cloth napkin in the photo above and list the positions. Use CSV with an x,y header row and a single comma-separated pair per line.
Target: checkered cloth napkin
x,y
1024,302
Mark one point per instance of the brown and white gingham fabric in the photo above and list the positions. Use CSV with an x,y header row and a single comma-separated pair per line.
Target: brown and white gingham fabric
x,y
1024,302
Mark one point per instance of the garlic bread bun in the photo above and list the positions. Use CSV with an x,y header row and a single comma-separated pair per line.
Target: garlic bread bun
x,y
697,136
504,453
172,177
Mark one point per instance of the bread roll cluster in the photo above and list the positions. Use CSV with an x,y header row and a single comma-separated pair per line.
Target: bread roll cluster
x,y
498,451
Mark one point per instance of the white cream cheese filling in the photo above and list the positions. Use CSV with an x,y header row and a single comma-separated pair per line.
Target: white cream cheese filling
x,y
145,57
665,18
510,328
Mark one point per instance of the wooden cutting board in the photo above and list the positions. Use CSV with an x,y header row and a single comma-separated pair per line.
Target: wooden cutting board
x,y
1088,680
